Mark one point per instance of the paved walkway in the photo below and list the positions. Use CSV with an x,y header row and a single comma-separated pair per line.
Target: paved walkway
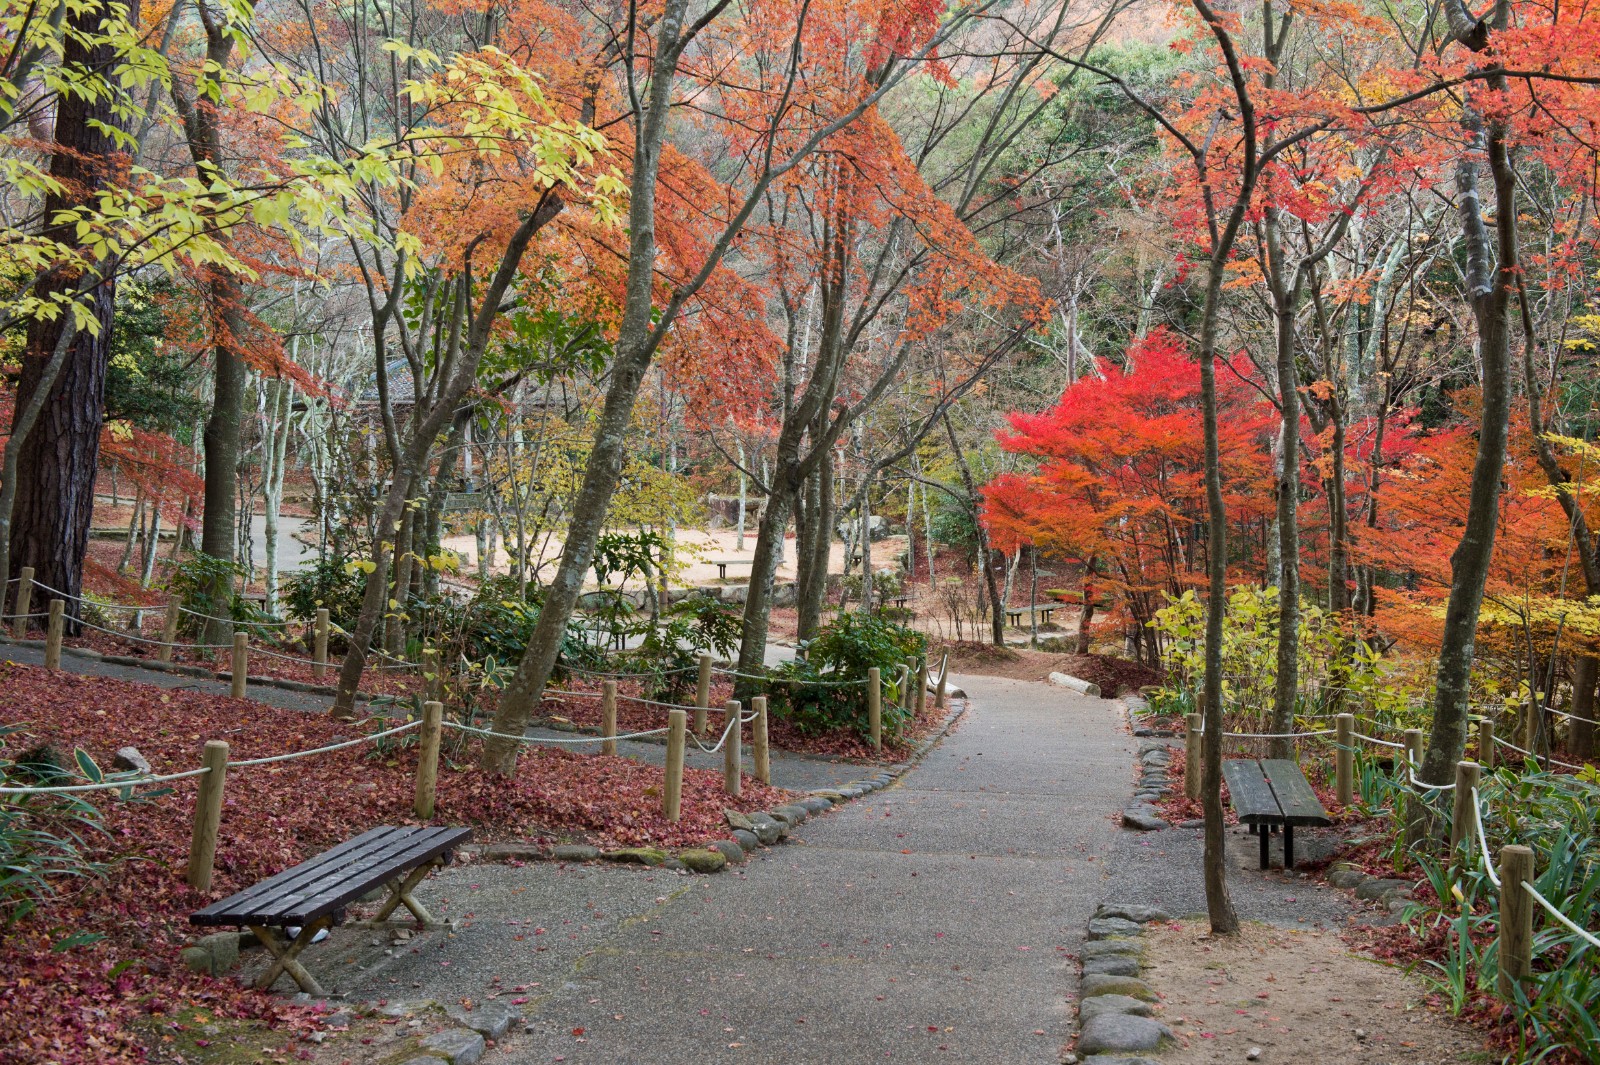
x,y
937,919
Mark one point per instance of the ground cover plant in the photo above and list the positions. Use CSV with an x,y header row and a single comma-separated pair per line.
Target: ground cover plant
x,y
95,960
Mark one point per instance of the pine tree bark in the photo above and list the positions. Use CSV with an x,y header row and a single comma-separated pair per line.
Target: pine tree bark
x,y
56,465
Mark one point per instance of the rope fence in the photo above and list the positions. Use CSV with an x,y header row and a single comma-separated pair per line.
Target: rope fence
x,y
1516,863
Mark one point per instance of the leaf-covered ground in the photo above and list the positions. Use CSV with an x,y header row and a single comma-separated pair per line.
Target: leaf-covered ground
x,y
782,733
84,1003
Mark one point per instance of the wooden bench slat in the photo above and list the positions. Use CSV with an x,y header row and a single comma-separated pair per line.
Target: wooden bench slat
x,y
294,873
395,854
336,896
1294,793
380,851
264,902
332,878
1249,792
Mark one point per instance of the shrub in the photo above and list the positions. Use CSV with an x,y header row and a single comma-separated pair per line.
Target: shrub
x,y
824,691
41,836
329,583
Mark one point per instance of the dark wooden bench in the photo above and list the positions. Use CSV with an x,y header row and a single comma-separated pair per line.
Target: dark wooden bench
x,y
1270,793
313,895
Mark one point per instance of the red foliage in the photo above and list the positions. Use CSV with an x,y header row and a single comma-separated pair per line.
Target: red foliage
x,y
1120,477
69,1007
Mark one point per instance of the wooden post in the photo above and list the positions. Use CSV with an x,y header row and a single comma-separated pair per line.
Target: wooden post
x,y
672,788
732,750
428,757
1414,746
875,707
1516,918
52,635
169,630
241,664
24,600
1530,727
758,740
702,695
1486,751
1193,755
903,684
207,815
1463,825
608,717
319,644
922,685
1345,757
433,684
944,673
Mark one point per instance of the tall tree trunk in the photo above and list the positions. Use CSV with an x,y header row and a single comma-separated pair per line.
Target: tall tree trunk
x,y
812,591
636,346
1286,685
54,453
1490,287
997,616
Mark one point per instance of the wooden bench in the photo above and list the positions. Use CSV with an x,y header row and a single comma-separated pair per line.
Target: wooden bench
x,y
1014,614
313,895
722,567
1270,793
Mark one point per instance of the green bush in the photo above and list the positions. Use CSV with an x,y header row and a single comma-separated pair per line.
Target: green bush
x,y
328,583
825,690
42,837
670,651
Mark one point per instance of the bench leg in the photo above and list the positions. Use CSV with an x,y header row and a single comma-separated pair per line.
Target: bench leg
x,y
1265,835
285,955
400,894
1288,846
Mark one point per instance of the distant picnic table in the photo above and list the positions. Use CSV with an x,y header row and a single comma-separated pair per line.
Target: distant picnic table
x,y
1014,614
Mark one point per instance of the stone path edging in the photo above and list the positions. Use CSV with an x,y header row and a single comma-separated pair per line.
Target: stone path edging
x,y
1139,718
1142,815
1114,1005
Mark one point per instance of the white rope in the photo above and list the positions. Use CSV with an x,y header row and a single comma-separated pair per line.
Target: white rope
x,y
331,747
727,730
235,621
1538,757
126,635
626,676
87,602
1483,841
549,739
270,653
108,785
1276,735
788,680
1381,743
1412,773
1573,717
1558,915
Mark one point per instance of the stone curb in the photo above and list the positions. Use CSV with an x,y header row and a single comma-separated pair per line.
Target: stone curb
x,y
747,831
1141,814
1138,716
1392,893
1115,1011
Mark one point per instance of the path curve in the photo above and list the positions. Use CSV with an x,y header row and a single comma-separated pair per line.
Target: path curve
x,y
936,919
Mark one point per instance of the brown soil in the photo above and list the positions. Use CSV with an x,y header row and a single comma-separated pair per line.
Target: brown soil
x,y
1300,996
1114,675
